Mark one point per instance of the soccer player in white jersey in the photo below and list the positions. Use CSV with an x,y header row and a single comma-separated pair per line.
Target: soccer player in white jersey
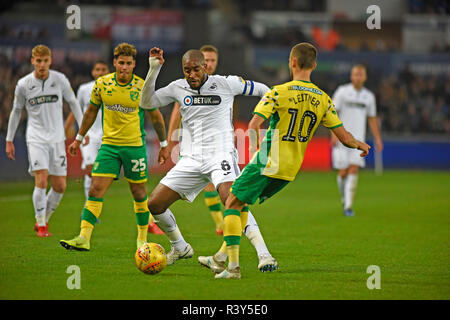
x,y
208,153
212,197
42,92
355,105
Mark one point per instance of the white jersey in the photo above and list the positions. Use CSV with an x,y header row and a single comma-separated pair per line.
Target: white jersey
x,y
43,100
84,97
353,107
207,112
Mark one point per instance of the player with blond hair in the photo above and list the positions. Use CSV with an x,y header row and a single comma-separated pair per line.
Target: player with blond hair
x,y
41,92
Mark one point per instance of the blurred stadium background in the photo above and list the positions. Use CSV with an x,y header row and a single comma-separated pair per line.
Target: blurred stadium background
x,y
408,59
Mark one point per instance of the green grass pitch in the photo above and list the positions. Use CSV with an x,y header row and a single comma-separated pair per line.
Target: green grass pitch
x,y
402,225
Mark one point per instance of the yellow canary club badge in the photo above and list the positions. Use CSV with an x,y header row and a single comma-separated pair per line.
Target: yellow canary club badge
x,y
95,165
134,95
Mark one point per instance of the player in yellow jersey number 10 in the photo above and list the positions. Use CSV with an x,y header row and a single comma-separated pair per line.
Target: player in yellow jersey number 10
x,y
281,153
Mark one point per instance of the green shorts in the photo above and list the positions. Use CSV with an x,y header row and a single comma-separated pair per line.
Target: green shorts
x,y
111,158
252,184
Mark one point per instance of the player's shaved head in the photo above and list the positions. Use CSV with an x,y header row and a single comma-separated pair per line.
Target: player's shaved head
x,y
194,68
194,56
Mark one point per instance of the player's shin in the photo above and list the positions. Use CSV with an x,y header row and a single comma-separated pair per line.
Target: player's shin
x,y
87,185
252,232
53,200
232,235
91,212
350,190
142,219
166,221
222,254
341,185
212,200
40,205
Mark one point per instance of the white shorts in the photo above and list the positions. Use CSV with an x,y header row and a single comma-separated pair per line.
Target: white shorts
x,y
89,152
343,157
190,176
47,156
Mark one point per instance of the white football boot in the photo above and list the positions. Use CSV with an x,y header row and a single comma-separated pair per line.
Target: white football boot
x,y
267,263
175,255
211,263
229,274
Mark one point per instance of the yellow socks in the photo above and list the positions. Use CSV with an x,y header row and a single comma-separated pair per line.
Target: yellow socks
x,y
93,209
232,230
142,218
223,253
91,212
212,200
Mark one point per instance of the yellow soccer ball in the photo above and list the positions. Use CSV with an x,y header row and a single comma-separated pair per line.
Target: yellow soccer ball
x,y
150,258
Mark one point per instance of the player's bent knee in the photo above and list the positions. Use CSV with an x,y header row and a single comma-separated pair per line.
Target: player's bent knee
x,y
156,207
353,169
89,170
138,190
96,191
60,188
224,191
233,202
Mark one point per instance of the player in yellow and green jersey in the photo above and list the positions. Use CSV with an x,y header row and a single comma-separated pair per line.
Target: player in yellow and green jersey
x,y
295,110
123,144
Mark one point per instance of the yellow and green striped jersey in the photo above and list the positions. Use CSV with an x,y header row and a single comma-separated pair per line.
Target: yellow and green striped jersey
x,y
295,109
122,117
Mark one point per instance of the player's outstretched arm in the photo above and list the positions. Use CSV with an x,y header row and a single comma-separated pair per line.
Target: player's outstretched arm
x,y
240,86
155,61
260,89
88,120
349,141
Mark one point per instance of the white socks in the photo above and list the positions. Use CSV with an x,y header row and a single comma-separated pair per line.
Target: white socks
x,y
253,234
40,205
341,185
53,200
87,185
45,204
350,190
166,221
